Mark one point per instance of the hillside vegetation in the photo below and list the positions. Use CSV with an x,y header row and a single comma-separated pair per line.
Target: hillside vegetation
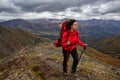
x,y
109,45
14,39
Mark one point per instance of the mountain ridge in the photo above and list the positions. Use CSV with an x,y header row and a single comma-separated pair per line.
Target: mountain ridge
x,y
43,55
14,39
91,28
108,45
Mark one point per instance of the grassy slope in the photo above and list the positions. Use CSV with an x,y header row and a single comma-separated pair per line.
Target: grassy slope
x,y
109,46
2,56
103,57
14,39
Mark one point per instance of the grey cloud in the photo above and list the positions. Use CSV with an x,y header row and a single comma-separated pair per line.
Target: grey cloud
x,y
48,5
51,5
38,6
112,6
7,10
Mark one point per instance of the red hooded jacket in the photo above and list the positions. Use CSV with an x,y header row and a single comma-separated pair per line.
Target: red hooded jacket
x,y
73,37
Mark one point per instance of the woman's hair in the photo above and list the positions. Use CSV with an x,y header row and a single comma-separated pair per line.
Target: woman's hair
x,y
70,23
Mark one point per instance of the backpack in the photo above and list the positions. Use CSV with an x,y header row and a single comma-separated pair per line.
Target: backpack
x,y
58,42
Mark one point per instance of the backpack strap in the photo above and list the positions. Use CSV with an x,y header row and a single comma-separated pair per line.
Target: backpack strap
x,y
61,33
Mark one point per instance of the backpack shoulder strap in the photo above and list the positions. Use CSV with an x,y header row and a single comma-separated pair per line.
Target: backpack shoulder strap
x,y
62,32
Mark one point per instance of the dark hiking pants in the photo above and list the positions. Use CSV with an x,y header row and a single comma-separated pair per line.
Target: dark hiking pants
x,y
66,58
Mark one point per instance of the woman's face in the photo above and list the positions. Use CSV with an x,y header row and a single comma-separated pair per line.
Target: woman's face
x,y
74,26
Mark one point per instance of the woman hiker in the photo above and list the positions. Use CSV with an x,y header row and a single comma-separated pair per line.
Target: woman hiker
x,y
69,39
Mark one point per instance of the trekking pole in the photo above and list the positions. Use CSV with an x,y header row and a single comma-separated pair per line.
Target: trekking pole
x,y
84,48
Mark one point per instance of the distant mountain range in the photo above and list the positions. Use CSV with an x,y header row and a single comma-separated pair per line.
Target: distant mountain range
x,y
109,45
32,25
89,29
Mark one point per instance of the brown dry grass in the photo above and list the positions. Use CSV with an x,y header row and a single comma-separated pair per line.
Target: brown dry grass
x,y
103,57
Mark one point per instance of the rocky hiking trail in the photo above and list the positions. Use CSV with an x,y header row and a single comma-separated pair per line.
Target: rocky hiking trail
x,y
34,63
44,62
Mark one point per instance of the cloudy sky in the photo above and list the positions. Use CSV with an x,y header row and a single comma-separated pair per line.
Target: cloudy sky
x,y
59,9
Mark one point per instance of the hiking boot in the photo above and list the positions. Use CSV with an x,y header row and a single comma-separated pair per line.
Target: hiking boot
x,y
75,75
73,71
65,74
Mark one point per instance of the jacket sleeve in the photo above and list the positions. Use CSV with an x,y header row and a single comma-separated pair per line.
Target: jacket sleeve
x,y
64,39
78,40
